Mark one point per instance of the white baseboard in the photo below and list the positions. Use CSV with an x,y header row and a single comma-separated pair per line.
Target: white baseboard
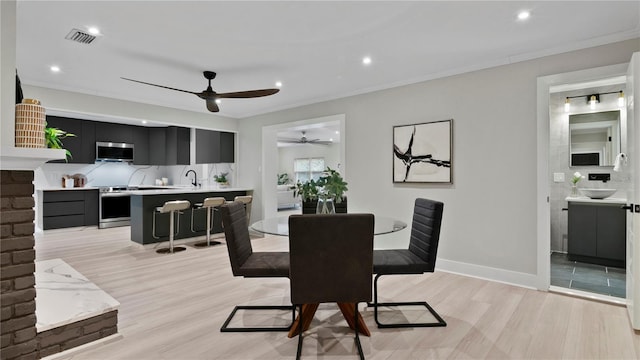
x,y
488,273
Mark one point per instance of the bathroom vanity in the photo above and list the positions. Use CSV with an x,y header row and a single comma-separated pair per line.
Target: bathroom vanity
x,y
597,231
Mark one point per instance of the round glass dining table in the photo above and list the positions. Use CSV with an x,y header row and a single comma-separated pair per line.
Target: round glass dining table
x,y
280,225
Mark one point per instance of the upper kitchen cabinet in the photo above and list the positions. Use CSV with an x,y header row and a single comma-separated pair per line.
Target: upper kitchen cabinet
x,y
214,147
111,132
79,145
178,145
141,151
157,147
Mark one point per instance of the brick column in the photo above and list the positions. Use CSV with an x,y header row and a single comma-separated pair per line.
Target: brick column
x,y
17,266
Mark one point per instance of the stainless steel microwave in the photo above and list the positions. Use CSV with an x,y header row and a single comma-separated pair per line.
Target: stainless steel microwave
x,y
111,151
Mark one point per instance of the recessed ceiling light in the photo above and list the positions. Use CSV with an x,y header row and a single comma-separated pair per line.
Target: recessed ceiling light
x,y
55,68
278,84
218,101
337,132
144,121
523,15
93,30
366,60
331,139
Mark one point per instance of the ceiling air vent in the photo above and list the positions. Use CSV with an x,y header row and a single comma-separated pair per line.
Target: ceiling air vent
x,y
80,36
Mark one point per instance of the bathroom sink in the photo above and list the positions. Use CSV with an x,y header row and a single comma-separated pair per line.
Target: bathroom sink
x,y
598,193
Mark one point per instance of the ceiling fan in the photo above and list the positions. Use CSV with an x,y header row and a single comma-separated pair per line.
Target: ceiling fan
x,y
304,140
211,96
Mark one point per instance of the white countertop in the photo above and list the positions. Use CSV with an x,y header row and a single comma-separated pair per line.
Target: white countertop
x,y
169,189
65,296
186,190
584,199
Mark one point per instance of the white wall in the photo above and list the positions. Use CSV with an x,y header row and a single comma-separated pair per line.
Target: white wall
x,y
490,224
330,153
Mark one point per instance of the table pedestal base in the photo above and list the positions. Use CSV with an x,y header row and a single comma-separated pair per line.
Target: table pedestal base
x,y
348,311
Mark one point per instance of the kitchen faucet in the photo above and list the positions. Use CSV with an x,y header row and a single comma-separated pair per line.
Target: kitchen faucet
x,y
195,177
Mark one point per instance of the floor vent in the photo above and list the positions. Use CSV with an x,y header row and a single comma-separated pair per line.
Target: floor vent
x,y
80,36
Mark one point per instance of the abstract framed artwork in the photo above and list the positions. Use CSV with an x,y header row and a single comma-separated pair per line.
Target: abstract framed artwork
x,y
422,152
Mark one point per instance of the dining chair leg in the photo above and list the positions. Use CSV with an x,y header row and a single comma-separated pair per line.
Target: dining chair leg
x,y
439,320
299,352
357,338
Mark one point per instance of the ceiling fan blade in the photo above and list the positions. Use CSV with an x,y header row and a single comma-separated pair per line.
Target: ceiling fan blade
x,y
247,94
212,106
161,86
288,140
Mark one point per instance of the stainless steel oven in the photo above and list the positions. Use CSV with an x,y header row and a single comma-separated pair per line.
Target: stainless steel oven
x,y
115,207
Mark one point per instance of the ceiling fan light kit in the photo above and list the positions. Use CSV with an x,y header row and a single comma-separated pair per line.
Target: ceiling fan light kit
x,y
210,96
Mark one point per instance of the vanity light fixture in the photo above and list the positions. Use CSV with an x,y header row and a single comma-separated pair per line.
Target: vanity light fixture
x,y
593,100
621,99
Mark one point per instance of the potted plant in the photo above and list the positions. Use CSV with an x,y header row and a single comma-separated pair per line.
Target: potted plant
x,y
221,179
283,179
325,195
53,139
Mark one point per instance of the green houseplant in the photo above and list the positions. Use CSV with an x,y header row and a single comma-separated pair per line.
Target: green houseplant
x,y
53,138
321,195
221,179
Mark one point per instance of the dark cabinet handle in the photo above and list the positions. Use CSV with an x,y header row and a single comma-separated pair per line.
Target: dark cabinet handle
x,y
565,209
627,207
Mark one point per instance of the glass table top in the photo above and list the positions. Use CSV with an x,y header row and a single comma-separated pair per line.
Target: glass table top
x,y
280,225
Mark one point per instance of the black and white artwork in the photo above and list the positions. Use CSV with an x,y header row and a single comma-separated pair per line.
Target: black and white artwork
x,y
422,152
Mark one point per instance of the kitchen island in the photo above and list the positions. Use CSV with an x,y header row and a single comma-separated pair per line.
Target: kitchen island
x,y
144,203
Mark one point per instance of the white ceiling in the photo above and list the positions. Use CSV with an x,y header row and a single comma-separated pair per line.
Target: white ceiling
x,y
313,48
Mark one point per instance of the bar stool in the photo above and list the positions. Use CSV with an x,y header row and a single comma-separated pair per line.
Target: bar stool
x,y
210,204
246,200
171,207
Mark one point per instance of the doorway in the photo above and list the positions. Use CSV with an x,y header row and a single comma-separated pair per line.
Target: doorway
x,y
271,157
555,271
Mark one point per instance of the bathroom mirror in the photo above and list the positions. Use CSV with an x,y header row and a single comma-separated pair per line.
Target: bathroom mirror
x,y
594,138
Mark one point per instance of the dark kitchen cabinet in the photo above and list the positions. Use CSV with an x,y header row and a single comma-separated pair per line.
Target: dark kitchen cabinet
x,y
69,208
227,147
88,154
157,146
73,143
111,132
141,154
597,233
178,145
214,147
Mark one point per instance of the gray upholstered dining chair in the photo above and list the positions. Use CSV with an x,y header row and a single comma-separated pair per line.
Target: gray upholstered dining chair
x,y
418,258
247,263
331,259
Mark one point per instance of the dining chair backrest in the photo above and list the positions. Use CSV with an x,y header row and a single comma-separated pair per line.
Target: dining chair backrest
x,y
331,257
425,230
234,221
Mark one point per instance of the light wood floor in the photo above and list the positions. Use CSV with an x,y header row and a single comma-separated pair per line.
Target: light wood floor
x,y
172,307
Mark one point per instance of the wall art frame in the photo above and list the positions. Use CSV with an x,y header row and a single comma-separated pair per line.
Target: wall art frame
x,y
423,153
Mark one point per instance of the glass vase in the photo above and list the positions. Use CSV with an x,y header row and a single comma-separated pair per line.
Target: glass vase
x,y
325,206
574,190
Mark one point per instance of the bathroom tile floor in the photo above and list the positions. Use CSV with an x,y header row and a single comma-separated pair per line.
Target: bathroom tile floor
x,y
587,277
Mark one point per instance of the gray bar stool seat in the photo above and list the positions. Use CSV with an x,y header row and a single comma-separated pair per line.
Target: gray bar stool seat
x,y
171,207
210,204
246,200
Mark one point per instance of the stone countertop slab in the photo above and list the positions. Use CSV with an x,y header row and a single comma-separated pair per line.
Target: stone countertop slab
x,y
65,296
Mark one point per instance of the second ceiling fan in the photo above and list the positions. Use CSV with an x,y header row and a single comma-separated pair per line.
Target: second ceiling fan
x,y
305,140
210,96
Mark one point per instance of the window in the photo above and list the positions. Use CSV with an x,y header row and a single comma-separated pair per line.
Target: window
x,y
306,169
